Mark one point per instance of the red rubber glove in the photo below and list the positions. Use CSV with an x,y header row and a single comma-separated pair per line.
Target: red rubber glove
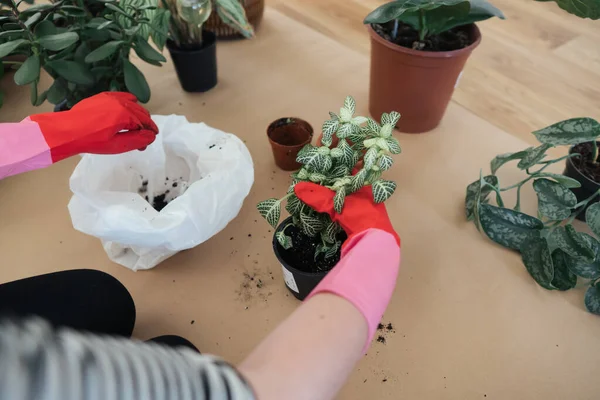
x,y
359,213
95,125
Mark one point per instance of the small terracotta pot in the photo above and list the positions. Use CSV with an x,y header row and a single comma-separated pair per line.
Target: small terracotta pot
x,y
417,84
254,12
287,137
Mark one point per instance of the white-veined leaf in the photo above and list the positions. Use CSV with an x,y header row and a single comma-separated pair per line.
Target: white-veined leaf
x,y
385,162
293,205
338,199
358,120
370,157
331,231
386,131
329,129
393,145
332,251
345,129
358,180
394,118
385,118
382,190
284,240
373,126
310,225
317,177
345,115
350,104
270,210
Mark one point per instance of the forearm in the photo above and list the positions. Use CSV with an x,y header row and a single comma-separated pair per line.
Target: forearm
x,y
22,148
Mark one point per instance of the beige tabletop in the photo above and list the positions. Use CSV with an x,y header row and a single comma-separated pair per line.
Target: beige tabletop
x,y
469,322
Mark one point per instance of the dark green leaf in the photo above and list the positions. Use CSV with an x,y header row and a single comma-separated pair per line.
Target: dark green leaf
x,y
33,93
58,41
564,278
45,28
104,25
508,227
592,217
502,159
310,225
395,9
57,92
588,270
562,179
103,52
581,8
29,71
573,243
72,11
538,261
160,27
136,82
382,190
533,155
117,9
9,47
338,200
35,8
72,71
474,192
554,200
284,240
13,35
480,11
592,299
147,52
571,131
11,27
33,19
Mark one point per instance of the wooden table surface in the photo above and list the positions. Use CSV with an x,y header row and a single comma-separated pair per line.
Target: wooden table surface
x,y
469,322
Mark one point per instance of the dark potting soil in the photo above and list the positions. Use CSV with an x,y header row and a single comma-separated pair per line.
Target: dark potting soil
x,y
585,163
302,255
159,202
453,39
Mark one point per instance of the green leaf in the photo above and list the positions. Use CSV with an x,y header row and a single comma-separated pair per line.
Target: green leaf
x,y
382,190
45,28
329,128
480,11
592,217
310,225
33,19
370,157
533,155
566,181
394,117
358,120
347,157
538,261
339,171
160,23
117,9
147,52
502,159
372,126
315,159
58,41
385,162
13,35
233,14
592,299
33,93
317,177
564,278
474,192
270,210
331,231
393,145
386,131
508,227
332,251
358,180
554,200
350,104
103,52
573,243
29,71
588,270
57,92
293,205
395,9
72,71
9,47
569,132
345,129
581,8
136,82
338,200
284,240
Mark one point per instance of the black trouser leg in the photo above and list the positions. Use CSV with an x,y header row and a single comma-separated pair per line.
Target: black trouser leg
x,y
174,341
86,300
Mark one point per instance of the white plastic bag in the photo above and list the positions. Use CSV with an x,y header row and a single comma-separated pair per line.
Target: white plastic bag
x,y
207,172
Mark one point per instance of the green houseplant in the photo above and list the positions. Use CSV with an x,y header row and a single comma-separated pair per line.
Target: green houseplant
x,y
83,45
553,251
308,243
418,51
192,48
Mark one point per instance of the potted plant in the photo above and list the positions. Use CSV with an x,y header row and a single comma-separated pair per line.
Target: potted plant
x,y
254,10
418,51
84,48
307,243
553,251
192,48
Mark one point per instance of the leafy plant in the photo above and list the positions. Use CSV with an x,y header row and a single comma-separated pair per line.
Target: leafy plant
x,y
83,45
432,17
581,8
553,251
338,168
188,16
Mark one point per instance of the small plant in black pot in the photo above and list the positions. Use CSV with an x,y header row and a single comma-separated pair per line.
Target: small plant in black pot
x,y
308,243
193,49
555,254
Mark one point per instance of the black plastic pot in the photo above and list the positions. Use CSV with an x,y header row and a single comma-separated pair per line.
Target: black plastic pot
x,y
588,186
299,283
196,68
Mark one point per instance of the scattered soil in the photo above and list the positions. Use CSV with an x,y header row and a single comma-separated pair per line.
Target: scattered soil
x,y
302,255
381,339
454,39
159,202
584,163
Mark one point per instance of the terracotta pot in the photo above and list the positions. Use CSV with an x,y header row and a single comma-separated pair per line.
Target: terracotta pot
x,y
287,137
254,12
417,84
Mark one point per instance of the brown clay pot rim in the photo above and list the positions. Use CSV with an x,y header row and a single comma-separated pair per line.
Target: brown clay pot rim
x,y
307,141
427,54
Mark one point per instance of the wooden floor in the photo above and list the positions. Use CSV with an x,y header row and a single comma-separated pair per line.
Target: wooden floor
x,y
537,67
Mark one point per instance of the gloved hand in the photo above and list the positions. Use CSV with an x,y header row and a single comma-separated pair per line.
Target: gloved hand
x,y
95,125
366,274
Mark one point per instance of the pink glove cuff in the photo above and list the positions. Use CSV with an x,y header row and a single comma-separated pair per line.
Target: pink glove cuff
x,y
365,276
22,148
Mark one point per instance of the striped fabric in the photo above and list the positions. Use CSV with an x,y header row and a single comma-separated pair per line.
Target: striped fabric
x,y
37,362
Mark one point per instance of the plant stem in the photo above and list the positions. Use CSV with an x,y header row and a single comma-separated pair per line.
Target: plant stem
x,y
581,206
12,62
535,173
395,30
595,152
422,27
518,203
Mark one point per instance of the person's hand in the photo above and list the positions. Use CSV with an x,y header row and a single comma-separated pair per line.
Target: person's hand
x,y
360,211
107,123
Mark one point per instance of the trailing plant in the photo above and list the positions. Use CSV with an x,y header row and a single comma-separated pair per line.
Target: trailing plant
x,y
83,45
338,168
554,253
581,8
432,17
188,16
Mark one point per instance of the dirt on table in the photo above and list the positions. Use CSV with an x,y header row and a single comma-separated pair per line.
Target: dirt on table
x,y
453,39
585,164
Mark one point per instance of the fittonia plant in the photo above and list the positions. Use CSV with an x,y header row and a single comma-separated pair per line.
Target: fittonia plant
x,y
338,168
553,251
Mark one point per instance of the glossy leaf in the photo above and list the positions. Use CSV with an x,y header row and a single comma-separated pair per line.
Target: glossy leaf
x,y
573,243
554,200
564,278
474,192
146,52
538,261
234,15
58,41
569,132
72,71
103,52
502,159
29,71
270,210
592,217
508,227
592,299
8,47
160,23
136,82
533,155
347,157
45,28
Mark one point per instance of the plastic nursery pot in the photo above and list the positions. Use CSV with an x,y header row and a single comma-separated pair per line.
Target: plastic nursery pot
x,y
417,84
196,67
588,186
299,283
287,137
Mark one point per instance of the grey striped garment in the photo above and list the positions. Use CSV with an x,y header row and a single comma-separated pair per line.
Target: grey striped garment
x,y
37,362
